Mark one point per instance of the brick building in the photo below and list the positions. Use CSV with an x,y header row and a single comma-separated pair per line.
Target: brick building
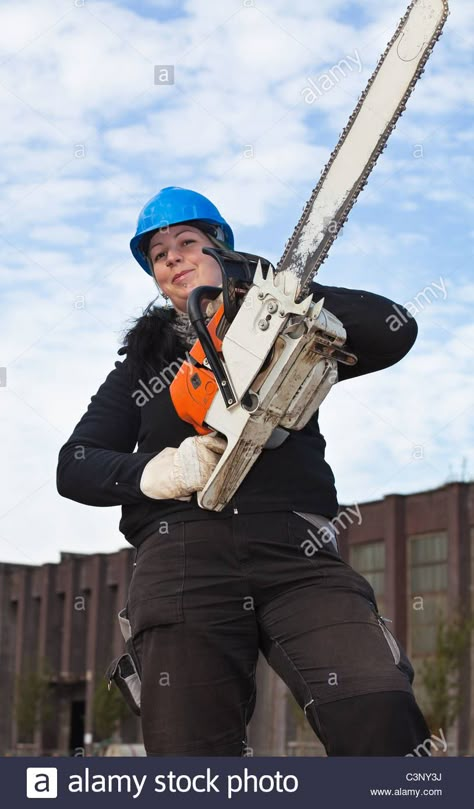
x,y
416,550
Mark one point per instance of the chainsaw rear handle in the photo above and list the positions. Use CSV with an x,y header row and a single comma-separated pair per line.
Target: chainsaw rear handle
x,y
198,320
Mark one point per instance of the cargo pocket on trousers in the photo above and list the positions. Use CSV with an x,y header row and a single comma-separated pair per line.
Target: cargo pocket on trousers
x,y
156,589
124,671
399,657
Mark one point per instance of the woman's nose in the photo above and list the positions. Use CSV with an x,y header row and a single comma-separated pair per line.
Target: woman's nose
x,y
172,256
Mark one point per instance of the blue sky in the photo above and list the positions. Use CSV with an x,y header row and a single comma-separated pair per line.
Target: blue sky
x,y
88,137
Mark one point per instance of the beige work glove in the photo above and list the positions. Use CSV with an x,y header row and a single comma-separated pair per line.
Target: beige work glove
x,y
176,472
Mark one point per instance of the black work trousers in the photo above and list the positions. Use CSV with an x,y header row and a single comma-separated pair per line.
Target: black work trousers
x,y
207,595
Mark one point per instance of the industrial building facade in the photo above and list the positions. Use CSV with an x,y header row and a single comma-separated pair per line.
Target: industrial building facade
x,y
59,628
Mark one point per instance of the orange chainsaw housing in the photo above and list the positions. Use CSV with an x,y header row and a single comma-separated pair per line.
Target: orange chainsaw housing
x,y
194,386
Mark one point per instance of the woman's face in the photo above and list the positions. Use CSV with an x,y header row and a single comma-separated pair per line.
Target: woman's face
x,y
179,265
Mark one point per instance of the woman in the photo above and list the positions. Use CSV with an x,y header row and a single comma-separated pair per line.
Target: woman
x,y
211,588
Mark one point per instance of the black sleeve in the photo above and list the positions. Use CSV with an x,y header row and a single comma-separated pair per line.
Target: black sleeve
x,y
97,465
379,331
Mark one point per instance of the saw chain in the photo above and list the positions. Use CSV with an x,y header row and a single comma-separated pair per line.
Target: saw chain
x,y
363,139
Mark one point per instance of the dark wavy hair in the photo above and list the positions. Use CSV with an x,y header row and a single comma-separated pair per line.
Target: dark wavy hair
x,y
151,343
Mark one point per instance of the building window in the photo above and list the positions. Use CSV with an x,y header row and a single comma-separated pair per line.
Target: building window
x,y
368,558
427,590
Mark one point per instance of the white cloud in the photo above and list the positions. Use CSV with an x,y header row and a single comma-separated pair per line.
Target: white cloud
x,y
417,415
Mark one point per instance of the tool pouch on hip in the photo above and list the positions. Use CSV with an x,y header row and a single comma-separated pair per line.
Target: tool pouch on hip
x,y
124,670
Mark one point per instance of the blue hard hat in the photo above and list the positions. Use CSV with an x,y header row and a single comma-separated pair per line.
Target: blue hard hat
x,y
171,206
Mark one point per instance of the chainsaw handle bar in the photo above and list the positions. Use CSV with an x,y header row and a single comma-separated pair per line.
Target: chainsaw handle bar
x,y
198,321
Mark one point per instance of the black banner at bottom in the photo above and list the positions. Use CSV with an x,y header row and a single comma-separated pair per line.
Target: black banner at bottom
x,y
262,782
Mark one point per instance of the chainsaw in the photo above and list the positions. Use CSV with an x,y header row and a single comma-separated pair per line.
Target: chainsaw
x,y
269,354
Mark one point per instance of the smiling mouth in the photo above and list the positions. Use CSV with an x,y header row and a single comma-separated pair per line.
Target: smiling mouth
x,y
181,275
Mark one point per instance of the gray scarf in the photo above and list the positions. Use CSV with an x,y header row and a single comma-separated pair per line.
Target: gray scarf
x,y
184,329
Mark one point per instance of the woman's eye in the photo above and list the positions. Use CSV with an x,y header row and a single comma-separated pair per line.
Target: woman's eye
x,y
162,255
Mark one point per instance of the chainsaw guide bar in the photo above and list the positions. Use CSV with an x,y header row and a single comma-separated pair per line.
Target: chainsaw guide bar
x,y
363,139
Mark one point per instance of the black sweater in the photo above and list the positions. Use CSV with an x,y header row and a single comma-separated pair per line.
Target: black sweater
x,y
98,465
